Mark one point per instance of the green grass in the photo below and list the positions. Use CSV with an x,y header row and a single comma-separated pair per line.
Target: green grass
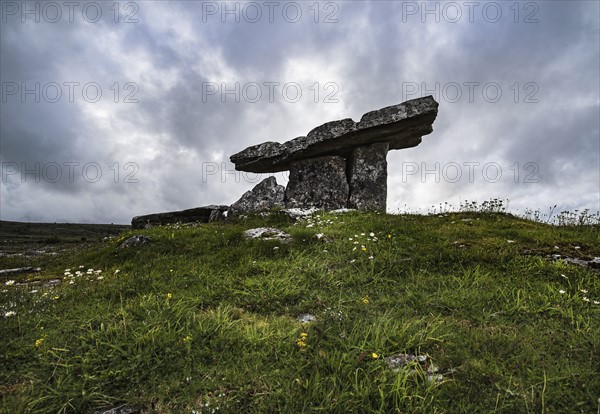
x,y
201,319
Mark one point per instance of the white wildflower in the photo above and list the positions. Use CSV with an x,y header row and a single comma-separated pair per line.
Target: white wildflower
x,y
9,314
9,282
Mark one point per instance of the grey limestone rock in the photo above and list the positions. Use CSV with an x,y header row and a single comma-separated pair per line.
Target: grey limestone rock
x,y
264,196
199,214
134,241
402,126
267,233
368,177
318,182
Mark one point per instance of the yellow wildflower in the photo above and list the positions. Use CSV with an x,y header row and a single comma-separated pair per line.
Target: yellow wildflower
x,y
39,342
169,295
187,339
374,355
301,341
365,300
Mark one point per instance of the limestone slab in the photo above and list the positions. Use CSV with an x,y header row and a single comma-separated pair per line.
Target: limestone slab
x,y
402,126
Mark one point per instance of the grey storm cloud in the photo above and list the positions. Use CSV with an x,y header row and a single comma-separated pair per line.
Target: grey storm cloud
x,y
168,118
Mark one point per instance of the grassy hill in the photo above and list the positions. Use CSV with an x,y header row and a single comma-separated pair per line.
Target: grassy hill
x,y
201,320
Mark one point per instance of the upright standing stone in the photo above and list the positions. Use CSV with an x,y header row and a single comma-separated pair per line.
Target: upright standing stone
x,y
318,182
368,177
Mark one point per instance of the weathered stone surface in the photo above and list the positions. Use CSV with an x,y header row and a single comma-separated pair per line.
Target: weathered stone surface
x,y
122,409
217,215
134,241
199,214
318,182
8,272
299,213
408,361
368,177
264,196
267,233
402,126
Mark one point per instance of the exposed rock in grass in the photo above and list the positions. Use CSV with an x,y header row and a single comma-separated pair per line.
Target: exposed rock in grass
x,y
267,233
19,270
403,361
298,213
306,318
135,241
122,409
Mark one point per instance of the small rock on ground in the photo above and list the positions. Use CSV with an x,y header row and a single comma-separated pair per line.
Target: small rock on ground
x,y
135,241
267,233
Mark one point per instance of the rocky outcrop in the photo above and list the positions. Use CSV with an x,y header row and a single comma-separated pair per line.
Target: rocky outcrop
x,y
317,182
266,195
402,126
192,215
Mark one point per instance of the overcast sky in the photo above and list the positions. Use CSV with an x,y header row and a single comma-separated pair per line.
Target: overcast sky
x,y
116,109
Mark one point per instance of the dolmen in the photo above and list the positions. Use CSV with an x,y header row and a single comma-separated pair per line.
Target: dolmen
x,y
340,164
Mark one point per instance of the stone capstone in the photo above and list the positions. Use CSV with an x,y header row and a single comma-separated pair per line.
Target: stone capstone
x,y
367,176
192,215
402,126
266,195
318,182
